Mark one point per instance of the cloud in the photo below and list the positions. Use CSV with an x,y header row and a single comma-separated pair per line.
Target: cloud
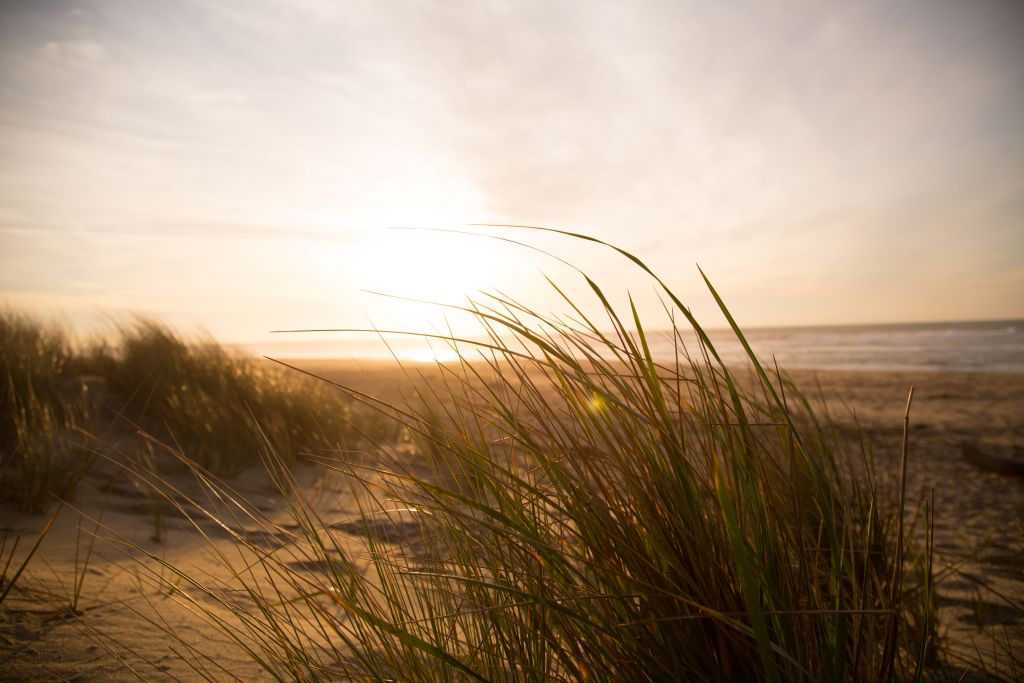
x,y
74,53
220,97
806,141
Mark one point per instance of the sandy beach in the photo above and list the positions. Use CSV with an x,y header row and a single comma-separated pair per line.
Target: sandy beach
x,y
121,630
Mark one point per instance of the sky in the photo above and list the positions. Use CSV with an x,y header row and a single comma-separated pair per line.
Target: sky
x,y
233,165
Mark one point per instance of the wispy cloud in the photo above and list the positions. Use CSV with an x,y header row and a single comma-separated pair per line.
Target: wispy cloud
x,y
74,53
809,143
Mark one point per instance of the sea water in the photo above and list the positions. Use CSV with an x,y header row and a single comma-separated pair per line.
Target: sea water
x,y
990,346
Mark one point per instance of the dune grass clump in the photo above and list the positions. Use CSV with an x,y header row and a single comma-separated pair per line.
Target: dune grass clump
x,y
63,404
41,410
219,408
569,509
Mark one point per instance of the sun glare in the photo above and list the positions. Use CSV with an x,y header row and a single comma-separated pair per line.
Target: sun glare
x,y
426,264
430,355
417,267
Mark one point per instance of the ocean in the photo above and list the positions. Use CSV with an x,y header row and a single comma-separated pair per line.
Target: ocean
x,y
989,346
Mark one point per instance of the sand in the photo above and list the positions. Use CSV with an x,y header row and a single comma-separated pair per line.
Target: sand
x,y
121,631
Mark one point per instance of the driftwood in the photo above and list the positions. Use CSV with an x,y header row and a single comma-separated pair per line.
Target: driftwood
x,y
993,463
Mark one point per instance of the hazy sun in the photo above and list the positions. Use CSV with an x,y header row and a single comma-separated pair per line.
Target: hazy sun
x,y
432,267
423,264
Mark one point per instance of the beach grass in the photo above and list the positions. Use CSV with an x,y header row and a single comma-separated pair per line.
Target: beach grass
x,y
220,408
65,403
41,410
564,506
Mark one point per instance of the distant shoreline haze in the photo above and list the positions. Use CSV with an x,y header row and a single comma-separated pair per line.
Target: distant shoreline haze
x,y
977,346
